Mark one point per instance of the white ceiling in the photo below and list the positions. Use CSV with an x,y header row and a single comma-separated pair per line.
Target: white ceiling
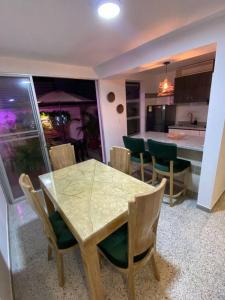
x,y
177,61
69,31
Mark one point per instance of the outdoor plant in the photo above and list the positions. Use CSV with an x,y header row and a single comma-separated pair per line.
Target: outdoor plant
x,y
27,157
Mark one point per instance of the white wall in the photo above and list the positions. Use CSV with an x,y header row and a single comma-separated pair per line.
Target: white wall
x,y
5,277
199,111
44,68
114,124
213,165
220,181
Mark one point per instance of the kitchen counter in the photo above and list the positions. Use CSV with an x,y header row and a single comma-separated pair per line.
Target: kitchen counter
x,y
191,127
189,147
195,143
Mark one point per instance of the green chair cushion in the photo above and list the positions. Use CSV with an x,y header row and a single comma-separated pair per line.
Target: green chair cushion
x,y
115,248
65,239
135,157
179,165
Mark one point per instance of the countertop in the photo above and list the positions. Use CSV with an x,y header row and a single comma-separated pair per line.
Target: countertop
x,y
191,127
189,142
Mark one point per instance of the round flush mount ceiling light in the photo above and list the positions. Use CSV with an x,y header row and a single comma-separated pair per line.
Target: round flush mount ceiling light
x,y
108,9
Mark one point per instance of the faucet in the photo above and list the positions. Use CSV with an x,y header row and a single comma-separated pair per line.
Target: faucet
x,y
190,114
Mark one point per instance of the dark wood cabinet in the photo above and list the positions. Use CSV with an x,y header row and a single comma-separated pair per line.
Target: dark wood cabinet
x,y
193,88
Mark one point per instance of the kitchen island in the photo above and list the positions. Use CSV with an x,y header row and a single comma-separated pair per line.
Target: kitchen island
x,y
188,142
188,147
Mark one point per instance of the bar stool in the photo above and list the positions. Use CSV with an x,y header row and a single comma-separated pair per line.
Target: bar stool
x,y
166,163
138,153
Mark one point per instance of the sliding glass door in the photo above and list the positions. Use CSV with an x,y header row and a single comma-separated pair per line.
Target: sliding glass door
x,y
22,144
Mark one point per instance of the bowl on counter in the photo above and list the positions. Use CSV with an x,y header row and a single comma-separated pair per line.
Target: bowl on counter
x,y
176,135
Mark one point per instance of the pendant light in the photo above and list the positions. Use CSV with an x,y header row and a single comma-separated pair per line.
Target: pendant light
x,y
166,88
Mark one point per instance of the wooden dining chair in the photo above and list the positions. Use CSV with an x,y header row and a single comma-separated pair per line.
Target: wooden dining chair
x,y
62,156
134,244
59,236
120,159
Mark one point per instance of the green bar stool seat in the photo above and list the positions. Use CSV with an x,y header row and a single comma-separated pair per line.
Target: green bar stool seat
x,y
178,165
138,153
166,163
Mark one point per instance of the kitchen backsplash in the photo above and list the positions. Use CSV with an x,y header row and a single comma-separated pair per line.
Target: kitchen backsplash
x,y
199,111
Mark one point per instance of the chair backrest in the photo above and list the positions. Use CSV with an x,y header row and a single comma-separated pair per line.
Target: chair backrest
x,y
120,159
166,151
36,203
143,218
135,145
62,156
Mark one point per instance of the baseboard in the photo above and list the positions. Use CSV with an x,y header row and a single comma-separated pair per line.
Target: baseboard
x,y
206,209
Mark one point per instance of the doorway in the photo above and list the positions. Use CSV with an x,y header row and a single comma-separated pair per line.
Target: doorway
x,y
69,114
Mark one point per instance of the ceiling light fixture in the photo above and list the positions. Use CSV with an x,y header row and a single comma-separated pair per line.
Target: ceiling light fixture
x,y
166,88
108,9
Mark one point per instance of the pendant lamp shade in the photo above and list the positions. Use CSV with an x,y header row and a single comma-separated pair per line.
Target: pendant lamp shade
x,y
166,88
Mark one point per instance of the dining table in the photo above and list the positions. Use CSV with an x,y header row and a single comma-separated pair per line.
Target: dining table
x,y
92,198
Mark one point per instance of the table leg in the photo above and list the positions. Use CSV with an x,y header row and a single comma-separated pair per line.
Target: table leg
x,y
49,205
92,267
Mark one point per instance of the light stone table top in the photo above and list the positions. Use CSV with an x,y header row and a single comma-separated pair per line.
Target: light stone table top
x,y
189,142
91,196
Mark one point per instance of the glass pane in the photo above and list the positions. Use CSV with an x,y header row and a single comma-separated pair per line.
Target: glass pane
x,y
16,113
132,90
22,156
132,109
133,126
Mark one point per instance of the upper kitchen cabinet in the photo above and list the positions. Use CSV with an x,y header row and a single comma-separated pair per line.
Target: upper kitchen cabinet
x,y
193,88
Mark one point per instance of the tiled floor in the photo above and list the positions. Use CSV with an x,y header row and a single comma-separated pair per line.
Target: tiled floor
x,y
191,259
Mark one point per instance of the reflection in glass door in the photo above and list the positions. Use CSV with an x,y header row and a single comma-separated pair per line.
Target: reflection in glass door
x,y
21,139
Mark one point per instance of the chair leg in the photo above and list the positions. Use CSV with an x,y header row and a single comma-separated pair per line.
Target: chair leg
x,y
59,258
131,291
155,269
142,173
171,190
154,176
49,252
186,174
